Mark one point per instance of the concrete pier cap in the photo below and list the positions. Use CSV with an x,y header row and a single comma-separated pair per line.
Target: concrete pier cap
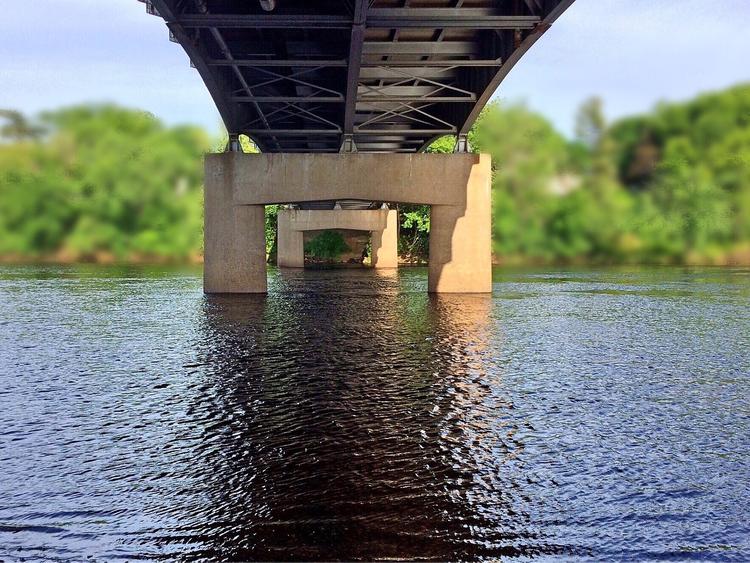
x,y
238,186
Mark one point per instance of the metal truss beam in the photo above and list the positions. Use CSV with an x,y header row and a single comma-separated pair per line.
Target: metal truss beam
x,y
464,18
341,63
422,72
405,132
388,18
304,133
406,99
212,81
384,114
355,60
386,73
264,21
263,63
293,77
290,99
434,63
421,48
293,110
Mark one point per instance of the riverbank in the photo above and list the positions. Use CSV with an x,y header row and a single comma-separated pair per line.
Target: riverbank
x,y
738,256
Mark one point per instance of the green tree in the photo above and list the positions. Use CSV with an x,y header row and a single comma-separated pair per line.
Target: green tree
x,y
591,125
687,195
328,245
105,181
527,155
17,127
673,185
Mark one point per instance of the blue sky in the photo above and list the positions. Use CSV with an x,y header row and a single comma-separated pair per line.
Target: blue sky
x,y
633,53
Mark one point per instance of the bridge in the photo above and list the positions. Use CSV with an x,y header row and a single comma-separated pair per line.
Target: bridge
x,y
354,79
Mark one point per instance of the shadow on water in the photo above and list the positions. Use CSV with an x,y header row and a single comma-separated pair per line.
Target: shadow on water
x,y
356,422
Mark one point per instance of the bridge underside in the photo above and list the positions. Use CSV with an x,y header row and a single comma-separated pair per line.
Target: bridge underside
x,y
351,76
345,75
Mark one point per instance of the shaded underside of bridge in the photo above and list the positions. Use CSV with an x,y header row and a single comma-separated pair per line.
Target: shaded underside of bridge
x,y
343,75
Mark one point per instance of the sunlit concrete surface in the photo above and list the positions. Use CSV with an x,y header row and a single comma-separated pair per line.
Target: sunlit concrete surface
x,y
238,185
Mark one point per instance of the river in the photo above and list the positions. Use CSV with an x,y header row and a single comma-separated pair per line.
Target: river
x,y
574,414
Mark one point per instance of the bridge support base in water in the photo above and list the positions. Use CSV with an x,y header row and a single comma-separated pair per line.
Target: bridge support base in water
x,y
238,186
382,223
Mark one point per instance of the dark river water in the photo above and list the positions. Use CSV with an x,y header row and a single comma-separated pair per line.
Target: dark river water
x,y
574,414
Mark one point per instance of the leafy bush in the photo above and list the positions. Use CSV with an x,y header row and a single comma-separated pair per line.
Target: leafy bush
x,y
102,180
328,245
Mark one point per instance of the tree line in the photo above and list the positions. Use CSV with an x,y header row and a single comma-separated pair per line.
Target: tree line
x,y
672,186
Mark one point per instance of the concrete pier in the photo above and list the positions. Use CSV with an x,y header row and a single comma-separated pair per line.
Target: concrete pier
x,y
290,242
384,242
461,238
382,223
234,237
456,186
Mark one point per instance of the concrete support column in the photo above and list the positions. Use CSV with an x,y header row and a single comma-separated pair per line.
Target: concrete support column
x,y
234,237
385,242
456,186
290,250
460,238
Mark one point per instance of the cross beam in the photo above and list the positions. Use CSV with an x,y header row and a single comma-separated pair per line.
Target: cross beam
x,y
391,18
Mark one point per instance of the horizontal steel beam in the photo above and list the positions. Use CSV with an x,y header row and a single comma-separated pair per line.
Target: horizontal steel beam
x,y
405,132
427,13
467,18
392,140
292,132
389,151
384,73
342,63
438,99
396,90
264,21
420,48
432,63
365,147
289,99
311,133
307,150
380,18
383,138
278,62
487,23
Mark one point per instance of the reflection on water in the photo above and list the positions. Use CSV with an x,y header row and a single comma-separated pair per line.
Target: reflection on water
x,y
356,422
348,415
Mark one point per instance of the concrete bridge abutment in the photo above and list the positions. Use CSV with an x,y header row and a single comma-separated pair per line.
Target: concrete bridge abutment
x,y
238,186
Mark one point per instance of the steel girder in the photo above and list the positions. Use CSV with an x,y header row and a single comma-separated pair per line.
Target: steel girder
x,y
370,75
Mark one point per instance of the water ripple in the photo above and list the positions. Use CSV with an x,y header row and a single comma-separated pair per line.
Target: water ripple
x,y
574,414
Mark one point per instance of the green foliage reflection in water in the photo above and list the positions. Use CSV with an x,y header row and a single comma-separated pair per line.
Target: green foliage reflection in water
x,y
671,186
